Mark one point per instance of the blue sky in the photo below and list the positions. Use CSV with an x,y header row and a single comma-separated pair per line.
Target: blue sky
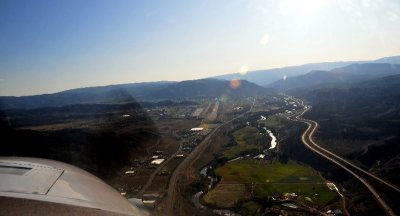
x,y
49,46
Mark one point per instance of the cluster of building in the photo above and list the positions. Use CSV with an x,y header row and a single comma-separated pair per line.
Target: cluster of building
x,y
189,112
157,159
238,108
151,162
193,137
291,104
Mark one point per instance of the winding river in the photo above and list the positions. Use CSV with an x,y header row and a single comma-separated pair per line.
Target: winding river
x,y
273,141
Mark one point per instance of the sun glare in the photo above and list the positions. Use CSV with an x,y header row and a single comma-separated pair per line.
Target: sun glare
x,y
264,40
302,8
243,70
307,7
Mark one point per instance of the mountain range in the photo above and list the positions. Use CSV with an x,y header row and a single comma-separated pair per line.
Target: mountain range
x,y
266,77
323,74
343,76
191,89
209,88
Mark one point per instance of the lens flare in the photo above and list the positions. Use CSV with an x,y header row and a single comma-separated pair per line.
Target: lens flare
x,y
284,77
243,70
235,83
264,40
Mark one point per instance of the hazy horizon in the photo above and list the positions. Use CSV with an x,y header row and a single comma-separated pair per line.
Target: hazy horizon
x,y
51,46
238,71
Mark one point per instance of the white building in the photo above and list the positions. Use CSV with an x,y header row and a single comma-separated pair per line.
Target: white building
x,y
197,129
157,161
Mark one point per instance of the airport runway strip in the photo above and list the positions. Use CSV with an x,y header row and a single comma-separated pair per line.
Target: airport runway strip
x,y
188,161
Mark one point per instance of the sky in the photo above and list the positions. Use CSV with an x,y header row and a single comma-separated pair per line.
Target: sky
x,y
48,46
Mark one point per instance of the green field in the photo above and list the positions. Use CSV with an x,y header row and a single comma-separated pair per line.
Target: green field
x,y
248,171
247,139
275,179
273,121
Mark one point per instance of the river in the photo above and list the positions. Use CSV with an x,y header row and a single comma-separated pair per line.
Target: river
x,y
273,138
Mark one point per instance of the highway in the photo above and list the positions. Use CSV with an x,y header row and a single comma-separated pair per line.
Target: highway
x,y
188,161
337,160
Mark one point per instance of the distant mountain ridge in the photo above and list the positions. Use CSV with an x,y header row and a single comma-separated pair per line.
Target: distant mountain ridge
x,y
127,93
203,88
209,88
344,75
379,89
100,94
266,77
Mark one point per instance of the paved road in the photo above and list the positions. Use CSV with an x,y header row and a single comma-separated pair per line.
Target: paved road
x,y
159,168
392,186
187,162
309,142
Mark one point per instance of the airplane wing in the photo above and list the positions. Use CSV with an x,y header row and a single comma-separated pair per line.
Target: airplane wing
x,y
32,186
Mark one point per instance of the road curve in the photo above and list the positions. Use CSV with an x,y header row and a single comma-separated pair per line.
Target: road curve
x,y
172,186
309,143
394,187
